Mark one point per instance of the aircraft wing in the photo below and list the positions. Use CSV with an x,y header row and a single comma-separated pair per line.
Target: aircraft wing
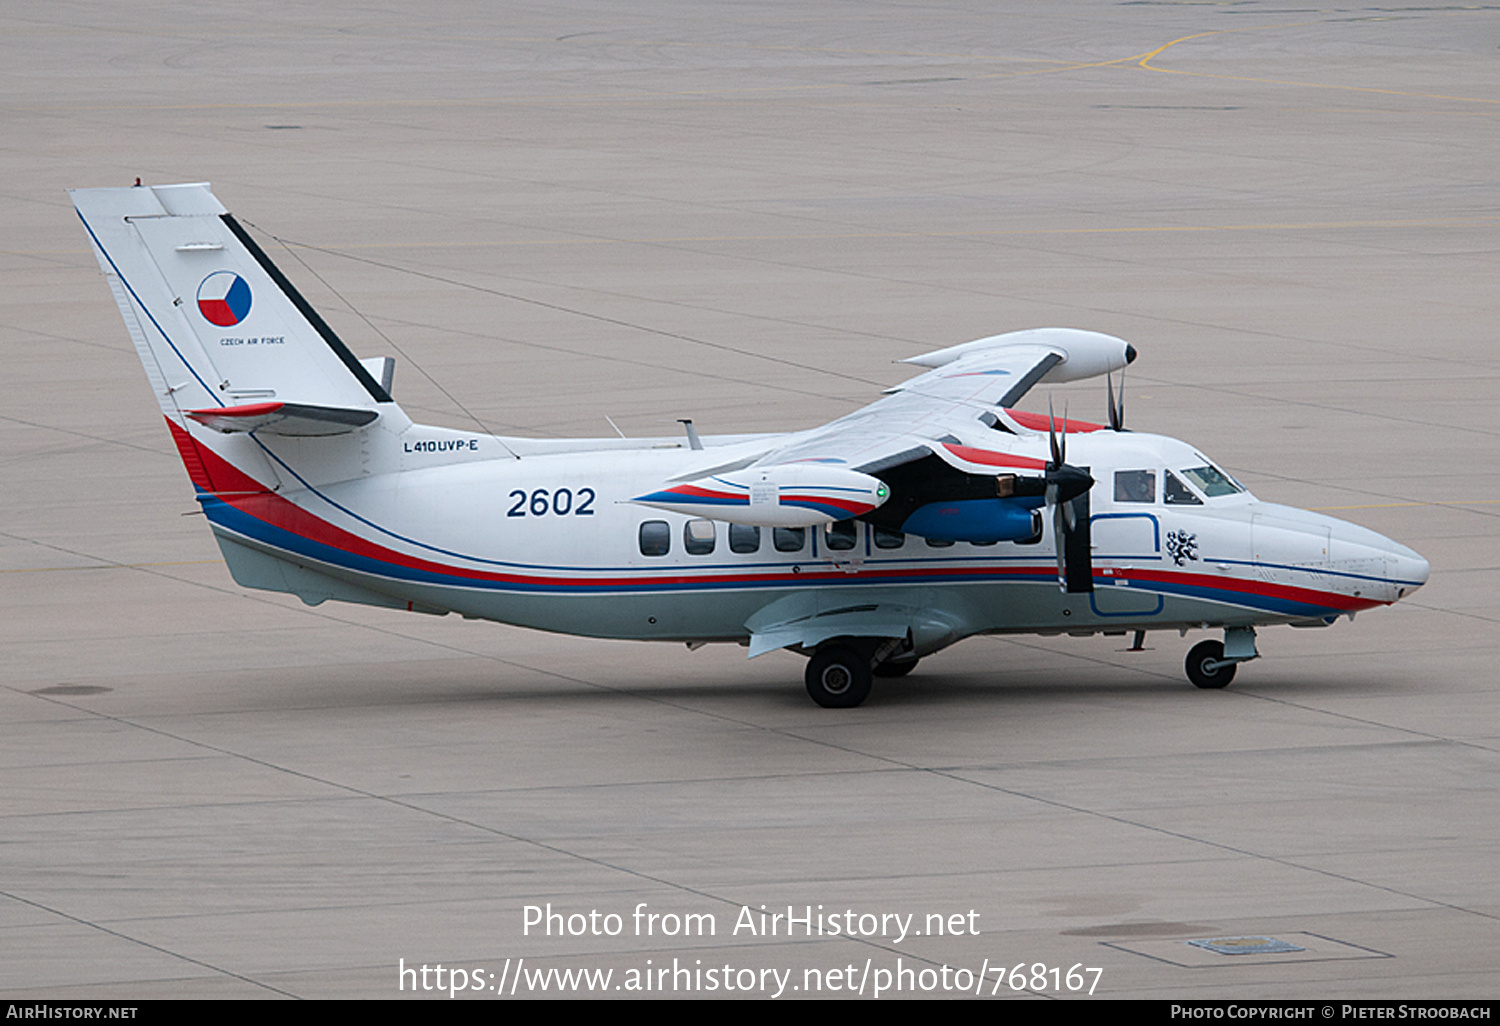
x,y
970,385
830,473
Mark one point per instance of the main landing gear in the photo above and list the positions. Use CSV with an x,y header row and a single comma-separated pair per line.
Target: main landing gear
x,y
838,677
841,671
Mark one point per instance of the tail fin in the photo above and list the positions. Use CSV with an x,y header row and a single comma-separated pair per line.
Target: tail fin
x,y
226,340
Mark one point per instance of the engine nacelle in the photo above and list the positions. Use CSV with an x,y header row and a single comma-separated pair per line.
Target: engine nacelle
x,y
978,521
786,495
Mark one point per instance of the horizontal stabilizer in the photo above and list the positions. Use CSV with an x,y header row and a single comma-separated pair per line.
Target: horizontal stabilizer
x,y
295,419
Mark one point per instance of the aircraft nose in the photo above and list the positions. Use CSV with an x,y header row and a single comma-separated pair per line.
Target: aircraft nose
x,y
1408,569
1364,554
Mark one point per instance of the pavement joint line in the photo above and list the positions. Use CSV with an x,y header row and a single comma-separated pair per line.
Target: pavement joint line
x,y
144,943
82,434
946,287
417,808
957,776
662,881
1426,736
594,290
603,318
342,249
108,566
1452,612
1378,414
555,849
607,358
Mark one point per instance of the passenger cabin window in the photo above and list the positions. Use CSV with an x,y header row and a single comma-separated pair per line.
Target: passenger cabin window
x,y
1178,494
656,538
789,539
1135,486
885,538
939,543
842,536
698,537
744,538
1212,481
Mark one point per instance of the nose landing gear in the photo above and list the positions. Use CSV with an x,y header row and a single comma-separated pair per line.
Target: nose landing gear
x,y
1211,664
1206,667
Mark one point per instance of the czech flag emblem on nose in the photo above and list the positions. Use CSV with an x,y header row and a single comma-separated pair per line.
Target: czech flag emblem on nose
x,y
224,298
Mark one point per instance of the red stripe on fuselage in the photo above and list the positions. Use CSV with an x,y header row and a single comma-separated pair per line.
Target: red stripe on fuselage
x,y
1285,592
244,493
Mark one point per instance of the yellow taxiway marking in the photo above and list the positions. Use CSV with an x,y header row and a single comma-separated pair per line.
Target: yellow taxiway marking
x,y
1051,66
1145,62
1396,505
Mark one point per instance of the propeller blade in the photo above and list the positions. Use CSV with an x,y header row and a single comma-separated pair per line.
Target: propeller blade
x,y
1114,414
1059,540
1057,456
1077,548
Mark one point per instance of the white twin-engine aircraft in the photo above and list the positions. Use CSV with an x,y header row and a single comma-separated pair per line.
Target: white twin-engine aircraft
x,y
935,513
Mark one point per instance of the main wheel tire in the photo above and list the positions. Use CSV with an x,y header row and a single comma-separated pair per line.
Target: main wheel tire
x,y
896,667
838,677
1201,669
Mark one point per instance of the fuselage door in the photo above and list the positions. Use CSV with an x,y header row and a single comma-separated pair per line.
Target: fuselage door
x,y
1124,542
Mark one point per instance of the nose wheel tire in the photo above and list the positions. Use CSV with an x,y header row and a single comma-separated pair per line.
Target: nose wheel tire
x,y
838,677
1205,666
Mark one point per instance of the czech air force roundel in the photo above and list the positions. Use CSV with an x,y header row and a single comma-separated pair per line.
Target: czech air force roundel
x,y
224,298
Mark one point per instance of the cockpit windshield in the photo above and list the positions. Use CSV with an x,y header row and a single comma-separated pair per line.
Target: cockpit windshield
x,y
1212,481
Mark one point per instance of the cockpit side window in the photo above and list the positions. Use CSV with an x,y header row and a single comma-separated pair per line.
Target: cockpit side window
x,y
1212,481
1178,494
1135,486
